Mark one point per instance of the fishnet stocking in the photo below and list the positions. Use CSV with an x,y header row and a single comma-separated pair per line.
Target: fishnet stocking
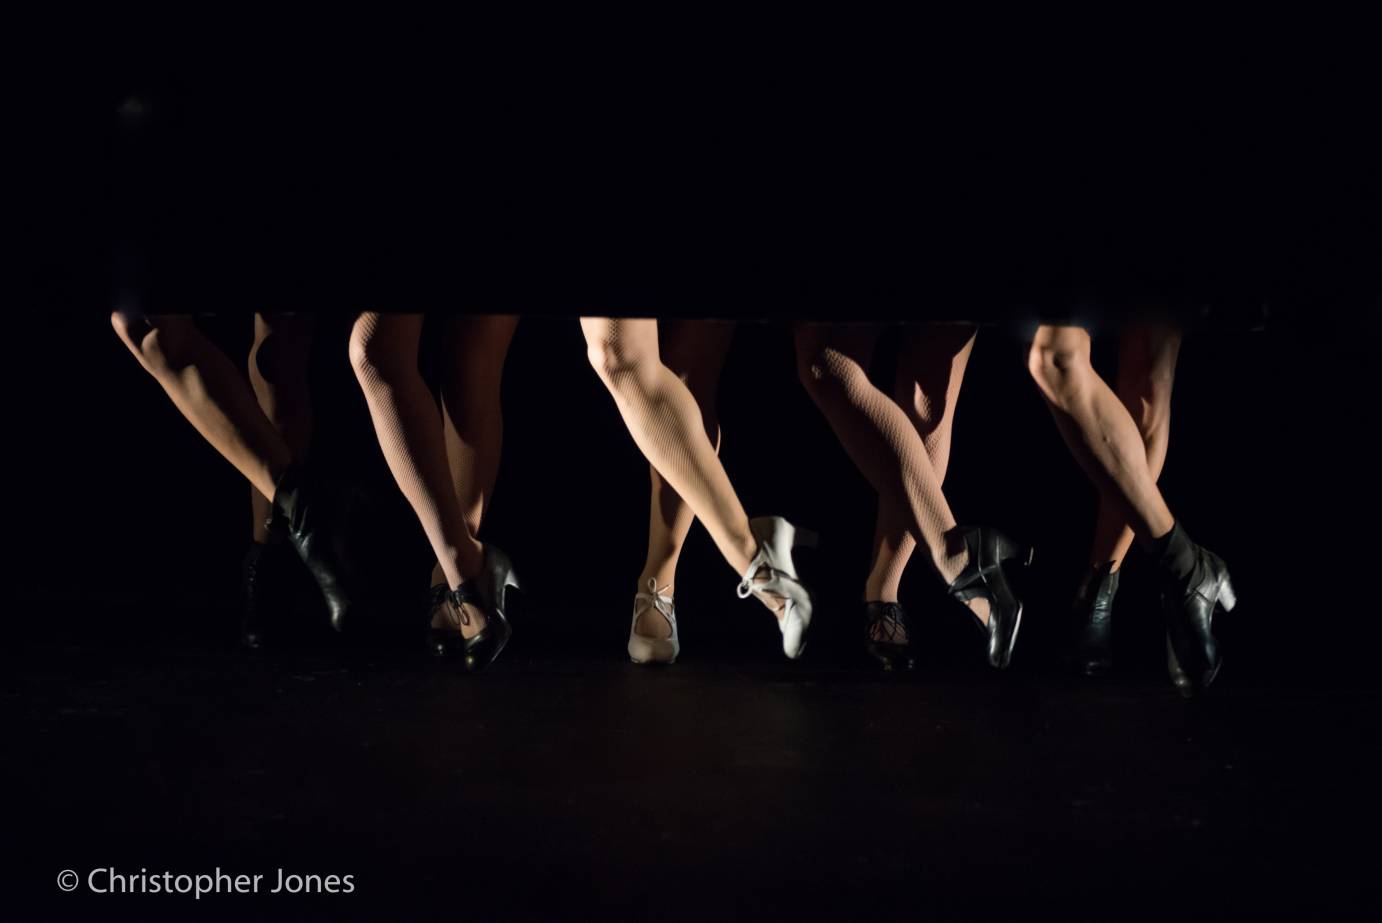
x,y
878,436
383,351
930,370
475,349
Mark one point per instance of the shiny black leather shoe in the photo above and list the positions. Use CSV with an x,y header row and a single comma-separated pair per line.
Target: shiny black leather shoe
x,y
316,529
478,651
436,598
1192,653
984,576
884,620
266,572
488,593
1093,610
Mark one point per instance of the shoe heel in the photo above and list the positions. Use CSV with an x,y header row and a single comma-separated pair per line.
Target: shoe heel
x,y
1009,550
1227,597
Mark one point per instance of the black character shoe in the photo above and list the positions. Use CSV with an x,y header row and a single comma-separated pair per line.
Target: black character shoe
x,y
984,576
489,593
887,635
436,599
316,528
1093,611
1195,582
448,641
266,572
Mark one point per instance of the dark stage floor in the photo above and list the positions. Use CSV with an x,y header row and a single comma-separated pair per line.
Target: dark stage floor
x,y
559,788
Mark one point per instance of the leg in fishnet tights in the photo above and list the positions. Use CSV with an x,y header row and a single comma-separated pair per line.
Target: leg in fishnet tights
x,y
384,354
832,363
1099,430
931,366
474,350
695,351
1147,356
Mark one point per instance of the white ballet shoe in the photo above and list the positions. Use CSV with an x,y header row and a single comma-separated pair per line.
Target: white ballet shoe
x,y
776,539
643,649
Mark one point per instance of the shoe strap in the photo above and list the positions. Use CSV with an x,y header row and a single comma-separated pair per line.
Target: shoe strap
x,y
776,583
463,594
437,594
892,616
655,599
747,583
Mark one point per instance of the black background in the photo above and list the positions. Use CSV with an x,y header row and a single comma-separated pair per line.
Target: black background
x,y
982,194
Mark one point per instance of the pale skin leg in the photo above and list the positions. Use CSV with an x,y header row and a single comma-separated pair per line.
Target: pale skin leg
x,y
1147,355
210,392
278,366
667,426
695,351
1096,425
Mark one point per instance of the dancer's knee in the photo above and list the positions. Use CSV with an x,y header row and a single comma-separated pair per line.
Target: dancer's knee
x,y
826,374
279,353
159,343
621,366
1059,362
924,409
372,355
276,358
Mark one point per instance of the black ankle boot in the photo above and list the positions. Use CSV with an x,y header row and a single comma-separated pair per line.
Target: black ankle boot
x,y
888,621
266,572
316,529
1194,581
1093,610
984,577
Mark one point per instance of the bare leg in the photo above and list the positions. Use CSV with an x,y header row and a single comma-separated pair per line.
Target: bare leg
x,y
695,351
278,365
930,369
475,349
384,352
1097,427
210,392
668,427
1146,372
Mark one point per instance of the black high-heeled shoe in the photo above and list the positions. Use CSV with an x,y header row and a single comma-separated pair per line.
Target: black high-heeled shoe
x,y
316,529
1093,610
266,574
984,576
1188,603
489,594
888,620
